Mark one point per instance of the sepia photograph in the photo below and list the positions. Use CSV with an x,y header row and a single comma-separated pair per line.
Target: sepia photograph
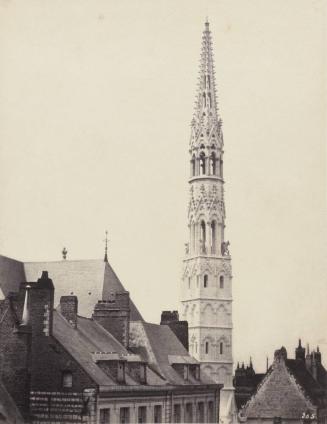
x,y
163,211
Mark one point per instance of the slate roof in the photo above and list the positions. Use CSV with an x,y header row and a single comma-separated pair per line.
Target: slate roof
x,y
89,280
160,346
311,387
90,337
8,410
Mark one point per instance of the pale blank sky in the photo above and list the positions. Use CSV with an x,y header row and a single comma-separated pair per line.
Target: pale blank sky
x,y
96,99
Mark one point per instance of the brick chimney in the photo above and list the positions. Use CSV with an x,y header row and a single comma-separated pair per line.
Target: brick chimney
x,y
114,316
179,328
69,308
41,306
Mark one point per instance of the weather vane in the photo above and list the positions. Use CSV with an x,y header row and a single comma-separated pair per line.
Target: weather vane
x,y
64,253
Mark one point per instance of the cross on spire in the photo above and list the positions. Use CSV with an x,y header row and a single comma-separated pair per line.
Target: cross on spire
x,y
106,248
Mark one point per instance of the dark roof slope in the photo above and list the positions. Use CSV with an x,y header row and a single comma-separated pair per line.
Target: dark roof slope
x,y
9,412
90,337
11,275
163,349
311,387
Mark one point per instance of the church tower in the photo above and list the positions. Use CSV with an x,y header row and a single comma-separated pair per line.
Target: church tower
x,y
206,295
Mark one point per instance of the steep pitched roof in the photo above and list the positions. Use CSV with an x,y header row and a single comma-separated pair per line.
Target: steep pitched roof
x,y
278,395
90,337
90,280
162,349
11,275
9,412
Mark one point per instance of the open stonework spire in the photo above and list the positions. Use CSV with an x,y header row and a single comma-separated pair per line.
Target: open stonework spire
x,y
206,124
206,289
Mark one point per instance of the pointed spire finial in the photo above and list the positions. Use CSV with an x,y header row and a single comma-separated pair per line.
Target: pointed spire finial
x,y
26,315
300,343
64,253
106,248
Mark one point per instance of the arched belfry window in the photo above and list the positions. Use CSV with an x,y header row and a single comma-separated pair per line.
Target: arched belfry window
x,y
221,281
212,164
205,281
207,348
202,164
193,165
208,79
209,99
202,236
221,348
204,100
213,236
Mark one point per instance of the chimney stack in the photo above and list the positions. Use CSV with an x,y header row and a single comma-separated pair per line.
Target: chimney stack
x,y
114,316
179,328
69,308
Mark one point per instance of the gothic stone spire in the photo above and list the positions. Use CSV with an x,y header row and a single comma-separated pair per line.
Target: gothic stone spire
x,y
206,124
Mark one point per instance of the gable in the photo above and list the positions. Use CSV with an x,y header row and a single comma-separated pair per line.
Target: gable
x,y
279,395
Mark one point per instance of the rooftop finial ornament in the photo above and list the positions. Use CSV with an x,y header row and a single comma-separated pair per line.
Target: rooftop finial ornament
x,y
64,253
106,248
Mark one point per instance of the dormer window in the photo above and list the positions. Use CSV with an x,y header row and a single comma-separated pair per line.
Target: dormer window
x,y
67,379
185,372
121,372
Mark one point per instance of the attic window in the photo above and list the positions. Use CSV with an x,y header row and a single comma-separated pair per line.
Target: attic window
x,y
185,372
67,379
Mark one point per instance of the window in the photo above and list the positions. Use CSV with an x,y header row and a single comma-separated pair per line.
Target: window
x,y
193,165
124,415
189,282
207,348
204,99
196,347
208,79
202,164
213,237
221,281
142,414
200,412
157,413
143,373
177,413
202,236
189,413
121,372
185,372
205,281
221,348
211,418
67,379
213,164
104,416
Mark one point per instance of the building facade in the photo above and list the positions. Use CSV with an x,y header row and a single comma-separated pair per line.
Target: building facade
x,y
61,362
206,293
